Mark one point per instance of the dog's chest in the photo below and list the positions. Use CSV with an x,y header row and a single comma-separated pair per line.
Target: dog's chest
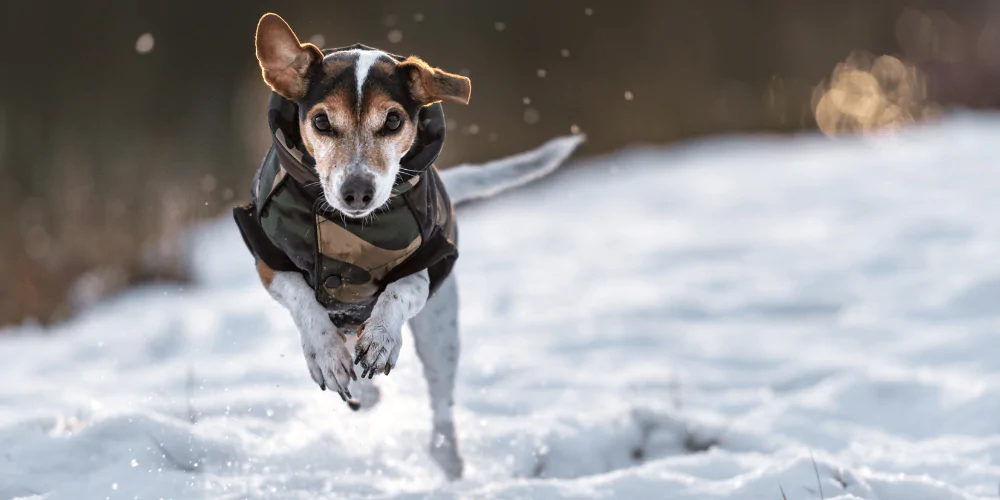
x,y
347,259
356,255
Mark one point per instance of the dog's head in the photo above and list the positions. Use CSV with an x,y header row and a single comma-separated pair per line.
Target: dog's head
x,y
357,110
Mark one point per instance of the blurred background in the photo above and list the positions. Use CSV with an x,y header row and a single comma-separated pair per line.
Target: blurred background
x,y
122,123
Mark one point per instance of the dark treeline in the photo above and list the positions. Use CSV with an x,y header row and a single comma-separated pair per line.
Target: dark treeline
x,y
106,152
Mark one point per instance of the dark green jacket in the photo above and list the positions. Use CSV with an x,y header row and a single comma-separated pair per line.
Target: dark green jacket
x,y
348,262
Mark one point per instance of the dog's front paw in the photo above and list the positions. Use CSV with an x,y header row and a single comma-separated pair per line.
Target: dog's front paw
x,y
378,347
329,363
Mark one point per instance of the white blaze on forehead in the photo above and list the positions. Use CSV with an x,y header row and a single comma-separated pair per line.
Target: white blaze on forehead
x,y
366,58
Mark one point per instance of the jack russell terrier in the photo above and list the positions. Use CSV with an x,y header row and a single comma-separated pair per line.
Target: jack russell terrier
x,y
352,226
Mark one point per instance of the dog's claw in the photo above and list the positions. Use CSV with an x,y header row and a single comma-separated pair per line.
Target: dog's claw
x,y
350,372
328,360
377,349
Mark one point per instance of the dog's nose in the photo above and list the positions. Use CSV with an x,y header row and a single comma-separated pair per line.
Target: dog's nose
x,y
357,193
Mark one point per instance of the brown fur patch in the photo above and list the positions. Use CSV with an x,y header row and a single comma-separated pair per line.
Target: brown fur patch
x,y
385,151
429,85
330,150
266,273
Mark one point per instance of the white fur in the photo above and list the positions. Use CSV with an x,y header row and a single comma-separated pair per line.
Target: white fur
x,y
470,182
381,336
435,333
329,361
366,58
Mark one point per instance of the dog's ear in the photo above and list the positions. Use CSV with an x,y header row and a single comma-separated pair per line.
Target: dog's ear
x,y
429,85
285,62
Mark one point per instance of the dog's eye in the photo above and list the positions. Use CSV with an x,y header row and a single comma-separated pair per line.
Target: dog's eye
x,y
393,122
322,123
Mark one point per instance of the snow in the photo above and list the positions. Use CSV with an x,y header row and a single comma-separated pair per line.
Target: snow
x,y
734,318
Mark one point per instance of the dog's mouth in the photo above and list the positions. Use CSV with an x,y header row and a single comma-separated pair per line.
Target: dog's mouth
x,y
338,206
356,214
351,213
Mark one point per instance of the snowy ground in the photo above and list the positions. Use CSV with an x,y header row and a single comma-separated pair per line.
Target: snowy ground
x,y
729,319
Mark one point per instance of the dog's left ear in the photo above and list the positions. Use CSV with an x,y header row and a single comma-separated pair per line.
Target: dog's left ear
x,y
285,62
429,85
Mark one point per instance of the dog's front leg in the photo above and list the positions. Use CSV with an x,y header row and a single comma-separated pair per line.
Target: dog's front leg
x,y
381,336
325,350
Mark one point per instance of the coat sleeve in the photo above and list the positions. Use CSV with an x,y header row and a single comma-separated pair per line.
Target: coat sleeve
x,y
257,241
248,217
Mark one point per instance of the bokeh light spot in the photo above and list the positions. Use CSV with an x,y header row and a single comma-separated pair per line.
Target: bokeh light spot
x,y
318,40
145,43
866,94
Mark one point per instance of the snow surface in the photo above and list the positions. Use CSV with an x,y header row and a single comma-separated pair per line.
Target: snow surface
x,y
735,318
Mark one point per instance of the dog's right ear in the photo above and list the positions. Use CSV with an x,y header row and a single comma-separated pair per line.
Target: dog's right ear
x,y
284,61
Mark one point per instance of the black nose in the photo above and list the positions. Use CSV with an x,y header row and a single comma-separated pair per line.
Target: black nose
x,y
357,193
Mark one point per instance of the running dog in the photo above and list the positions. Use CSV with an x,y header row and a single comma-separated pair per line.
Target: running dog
x,y
352,226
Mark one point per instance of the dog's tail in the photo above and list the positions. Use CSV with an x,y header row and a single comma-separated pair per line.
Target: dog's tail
x,y
470,182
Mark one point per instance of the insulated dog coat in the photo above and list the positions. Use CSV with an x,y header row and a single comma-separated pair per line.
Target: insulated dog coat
x,y
349,262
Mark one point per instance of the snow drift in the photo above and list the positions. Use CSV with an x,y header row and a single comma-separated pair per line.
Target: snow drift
x,y
734,318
